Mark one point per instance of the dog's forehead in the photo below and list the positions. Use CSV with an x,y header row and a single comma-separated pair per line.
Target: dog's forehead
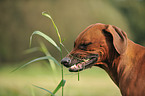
x,y
92,34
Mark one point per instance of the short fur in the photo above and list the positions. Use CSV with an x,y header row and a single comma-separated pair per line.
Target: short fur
x,y
120,57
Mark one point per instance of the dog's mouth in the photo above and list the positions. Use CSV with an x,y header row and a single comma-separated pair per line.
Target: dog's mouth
x,y
83,64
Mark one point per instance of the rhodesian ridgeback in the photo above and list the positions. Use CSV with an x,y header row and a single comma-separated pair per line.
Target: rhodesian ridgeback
x,y
108,47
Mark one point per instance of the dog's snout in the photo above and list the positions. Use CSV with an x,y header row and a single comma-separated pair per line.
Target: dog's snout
x,y
66,61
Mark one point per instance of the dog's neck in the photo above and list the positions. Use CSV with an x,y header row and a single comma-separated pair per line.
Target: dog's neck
x,y
122,68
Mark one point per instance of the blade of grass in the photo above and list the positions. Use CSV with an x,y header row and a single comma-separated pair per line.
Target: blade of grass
x,y
46,37
37,59
45,14
31,50
78,75
61,68
44,90
65,48
61,84
46,52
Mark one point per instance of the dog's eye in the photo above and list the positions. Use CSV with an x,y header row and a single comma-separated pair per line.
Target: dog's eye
x,y
84,46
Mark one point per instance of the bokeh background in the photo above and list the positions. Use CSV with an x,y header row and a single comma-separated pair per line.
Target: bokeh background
x,y
19,18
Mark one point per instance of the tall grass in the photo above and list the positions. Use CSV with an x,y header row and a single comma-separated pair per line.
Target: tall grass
x,y
48,56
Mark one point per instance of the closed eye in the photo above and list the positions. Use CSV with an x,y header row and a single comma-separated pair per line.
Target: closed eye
x,y
83,46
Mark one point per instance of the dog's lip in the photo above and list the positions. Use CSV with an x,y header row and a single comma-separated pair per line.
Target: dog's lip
x,y
84,64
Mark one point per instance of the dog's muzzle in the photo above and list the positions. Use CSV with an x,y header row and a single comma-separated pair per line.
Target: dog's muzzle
x,y
76,64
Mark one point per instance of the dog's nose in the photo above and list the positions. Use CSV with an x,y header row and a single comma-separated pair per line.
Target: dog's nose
x,y
66,61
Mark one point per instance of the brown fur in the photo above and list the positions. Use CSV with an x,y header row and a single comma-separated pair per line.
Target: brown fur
x,y
121,58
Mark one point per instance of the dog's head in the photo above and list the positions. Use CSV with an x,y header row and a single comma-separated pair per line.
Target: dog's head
x,y
94,46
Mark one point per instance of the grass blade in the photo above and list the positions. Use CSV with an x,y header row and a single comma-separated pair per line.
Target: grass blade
x,y
31,50
45,14
46,52
45,90
61,84
78,75
65,48
38,59
46,37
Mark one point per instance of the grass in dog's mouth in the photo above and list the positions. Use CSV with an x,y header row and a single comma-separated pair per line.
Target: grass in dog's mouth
x,y
83,64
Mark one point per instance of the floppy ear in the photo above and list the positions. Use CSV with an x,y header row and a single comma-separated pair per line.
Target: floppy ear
x,y
119,38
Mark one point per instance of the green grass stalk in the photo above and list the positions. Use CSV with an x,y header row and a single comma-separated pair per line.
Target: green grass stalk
x,y
78,75
60,42
61,67
48,55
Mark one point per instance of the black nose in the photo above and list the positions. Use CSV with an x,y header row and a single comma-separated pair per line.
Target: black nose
x,y
66,62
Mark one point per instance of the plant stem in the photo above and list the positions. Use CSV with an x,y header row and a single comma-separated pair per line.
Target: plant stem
x,y
78,75
60,42
61,65
62,77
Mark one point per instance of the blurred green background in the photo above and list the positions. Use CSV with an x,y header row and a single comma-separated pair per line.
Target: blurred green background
x,y
19,18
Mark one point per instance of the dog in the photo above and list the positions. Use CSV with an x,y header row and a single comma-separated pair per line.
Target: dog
x,y
108,47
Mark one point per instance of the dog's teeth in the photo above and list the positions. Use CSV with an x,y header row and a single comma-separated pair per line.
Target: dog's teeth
x,y
74,66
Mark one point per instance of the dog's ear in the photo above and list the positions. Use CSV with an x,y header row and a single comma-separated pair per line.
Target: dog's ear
x,y
119,38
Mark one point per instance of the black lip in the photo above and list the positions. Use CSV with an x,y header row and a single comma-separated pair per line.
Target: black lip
x,y
92,61
75,70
